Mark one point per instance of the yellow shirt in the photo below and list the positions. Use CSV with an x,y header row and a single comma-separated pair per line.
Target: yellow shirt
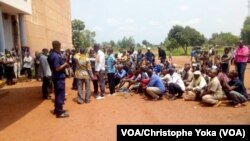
x,y
83,67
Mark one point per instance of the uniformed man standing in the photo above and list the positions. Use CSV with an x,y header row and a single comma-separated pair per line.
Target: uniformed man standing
x,y
58,66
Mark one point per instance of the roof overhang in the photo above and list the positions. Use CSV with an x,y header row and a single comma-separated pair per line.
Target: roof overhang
x,y
16,6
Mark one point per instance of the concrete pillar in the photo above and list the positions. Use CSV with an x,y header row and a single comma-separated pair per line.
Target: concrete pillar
x,y
2,40
22,28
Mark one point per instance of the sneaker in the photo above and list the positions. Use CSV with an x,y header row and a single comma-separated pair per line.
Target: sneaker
x,y
63,115
99,97
111,94
79,102
87,101
55,113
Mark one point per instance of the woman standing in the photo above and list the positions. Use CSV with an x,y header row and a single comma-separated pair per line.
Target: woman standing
x,y
9,68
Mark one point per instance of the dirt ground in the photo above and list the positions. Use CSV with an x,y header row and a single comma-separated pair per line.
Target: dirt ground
x,y
24,116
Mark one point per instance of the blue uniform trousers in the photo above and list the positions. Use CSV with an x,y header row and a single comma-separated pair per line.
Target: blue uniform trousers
x,y
59,88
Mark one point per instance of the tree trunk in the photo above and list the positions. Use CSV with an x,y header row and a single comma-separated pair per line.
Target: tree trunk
x,y
185,49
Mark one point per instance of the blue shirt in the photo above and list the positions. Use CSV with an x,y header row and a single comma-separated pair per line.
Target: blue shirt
x,y
55,60
110,63
121,74
157,69
193,53
240,88
155,81
149,56
140,57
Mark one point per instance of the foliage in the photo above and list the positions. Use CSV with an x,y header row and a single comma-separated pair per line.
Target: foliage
x,y
245,32
126,43
223,39
185,37
170,45
81,37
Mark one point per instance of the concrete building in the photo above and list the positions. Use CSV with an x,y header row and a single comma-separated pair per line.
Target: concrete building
x,y
34,24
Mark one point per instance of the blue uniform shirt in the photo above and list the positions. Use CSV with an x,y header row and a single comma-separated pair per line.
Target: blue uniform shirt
x,y
155,81
56,60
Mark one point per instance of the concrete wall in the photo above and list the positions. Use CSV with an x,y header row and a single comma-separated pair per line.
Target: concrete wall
x,y
8,33
21,5
50,20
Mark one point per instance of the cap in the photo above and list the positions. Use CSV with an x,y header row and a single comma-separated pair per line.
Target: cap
x,y
214,67
194,65
197,73
149,48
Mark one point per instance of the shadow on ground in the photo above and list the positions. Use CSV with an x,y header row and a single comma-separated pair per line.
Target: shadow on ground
x,y
16,103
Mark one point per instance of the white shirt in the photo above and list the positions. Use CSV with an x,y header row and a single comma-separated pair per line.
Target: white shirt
x,y
27,62
120,55
175,78
200,86
100,61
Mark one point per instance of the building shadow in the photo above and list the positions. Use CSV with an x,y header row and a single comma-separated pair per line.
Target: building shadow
x,y
16,102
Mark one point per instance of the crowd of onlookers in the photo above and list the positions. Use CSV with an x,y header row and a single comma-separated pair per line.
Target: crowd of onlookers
x,y
13,66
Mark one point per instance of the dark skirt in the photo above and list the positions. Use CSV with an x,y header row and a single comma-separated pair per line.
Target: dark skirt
x,y
9,72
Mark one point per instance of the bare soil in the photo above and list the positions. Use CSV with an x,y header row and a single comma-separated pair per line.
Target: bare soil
x,y
24,116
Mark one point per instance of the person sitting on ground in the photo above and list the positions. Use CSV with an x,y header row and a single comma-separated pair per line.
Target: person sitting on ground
x,y
155,88
195,67
187,74
217,60
126,79
124,58
235,90
176,85
144,79
213,94
222,76
157,68
119,74
133,80
196,87
164,76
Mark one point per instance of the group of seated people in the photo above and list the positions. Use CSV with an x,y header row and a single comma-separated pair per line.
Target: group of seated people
x,y
194,82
